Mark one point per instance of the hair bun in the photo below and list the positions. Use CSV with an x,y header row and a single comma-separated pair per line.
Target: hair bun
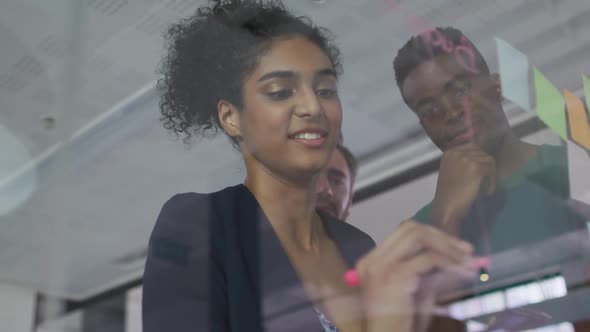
x,y
211,53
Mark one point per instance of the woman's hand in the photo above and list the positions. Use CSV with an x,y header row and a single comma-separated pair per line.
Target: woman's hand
x,y
399,278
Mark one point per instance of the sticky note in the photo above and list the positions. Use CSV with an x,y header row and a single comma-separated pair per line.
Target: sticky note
x,y
550,104
586,81
514,69
578,119
578,162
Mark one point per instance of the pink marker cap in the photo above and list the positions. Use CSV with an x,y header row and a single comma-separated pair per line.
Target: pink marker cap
x,y
352,279
482,262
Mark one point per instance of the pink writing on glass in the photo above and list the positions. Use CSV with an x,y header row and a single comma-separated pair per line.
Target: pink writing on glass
x,y
463,52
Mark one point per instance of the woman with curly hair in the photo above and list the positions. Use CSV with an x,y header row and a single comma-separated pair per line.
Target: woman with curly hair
x,y
258,256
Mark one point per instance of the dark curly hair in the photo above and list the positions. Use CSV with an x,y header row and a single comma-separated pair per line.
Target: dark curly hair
x,y
211,54
418,50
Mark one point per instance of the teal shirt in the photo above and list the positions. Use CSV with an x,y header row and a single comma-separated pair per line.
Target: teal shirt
x,y
529,206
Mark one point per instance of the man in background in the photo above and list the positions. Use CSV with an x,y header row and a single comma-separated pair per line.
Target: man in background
x,y
491,184
335,184
493,189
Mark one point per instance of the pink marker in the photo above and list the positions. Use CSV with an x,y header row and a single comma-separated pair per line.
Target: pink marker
x,y
351,278
482,262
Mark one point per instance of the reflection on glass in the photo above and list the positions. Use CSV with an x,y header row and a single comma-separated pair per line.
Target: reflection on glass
x,y
511,297
18,178
66,233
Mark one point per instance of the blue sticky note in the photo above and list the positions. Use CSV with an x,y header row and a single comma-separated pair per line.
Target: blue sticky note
x,y
514,70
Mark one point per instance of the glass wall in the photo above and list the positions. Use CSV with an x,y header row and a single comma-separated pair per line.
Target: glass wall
x,y
87,164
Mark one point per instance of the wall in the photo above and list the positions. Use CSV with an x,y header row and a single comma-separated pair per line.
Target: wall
x,y
17,308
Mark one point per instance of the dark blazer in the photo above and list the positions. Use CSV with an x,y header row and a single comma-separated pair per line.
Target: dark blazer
x,y
215,264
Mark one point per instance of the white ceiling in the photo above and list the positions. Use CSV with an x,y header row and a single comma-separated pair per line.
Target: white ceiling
x,y
97,178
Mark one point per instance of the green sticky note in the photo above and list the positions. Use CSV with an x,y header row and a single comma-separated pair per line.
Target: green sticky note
x,y
586,90
550,104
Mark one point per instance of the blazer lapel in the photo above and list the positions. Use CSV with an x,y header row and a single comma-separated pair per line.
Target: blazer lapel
x,y
285,304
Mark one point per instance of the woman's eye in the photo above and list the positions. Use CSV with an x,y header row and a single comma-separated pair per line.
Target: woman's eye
x,y
280,94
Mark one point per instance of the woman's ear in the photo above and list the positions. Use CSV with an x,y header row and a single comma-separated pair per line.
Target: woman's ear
x,y
229,118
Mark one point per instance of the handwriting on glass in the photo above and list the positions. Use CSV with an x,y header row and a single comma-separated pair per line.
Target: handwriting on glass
x,y
463,52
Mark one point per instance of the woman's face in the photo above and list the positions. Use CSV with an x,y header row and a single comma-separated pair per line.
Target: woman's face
x,y
291,114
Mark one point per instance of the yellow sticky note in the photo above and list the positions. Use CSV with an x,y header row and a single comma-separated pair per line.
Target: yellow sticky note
x,y
550,104
578,119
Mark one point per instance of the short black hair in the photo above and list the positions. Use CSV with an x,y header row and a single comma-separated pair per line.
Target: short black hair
x,y
350,162
210,54
419,49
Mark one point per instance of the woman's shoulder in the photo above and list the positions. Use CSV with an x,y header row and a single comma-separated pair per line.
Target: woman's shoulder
x,y
185,225
190,211
189,200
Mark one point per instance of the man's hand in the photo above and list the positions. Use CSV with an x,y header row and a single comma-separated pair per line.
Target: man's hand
x,y
464,172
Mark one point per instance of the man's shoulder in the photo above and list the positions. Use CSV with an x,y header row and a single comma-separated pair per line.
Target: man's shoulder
x,y
552,154
548,169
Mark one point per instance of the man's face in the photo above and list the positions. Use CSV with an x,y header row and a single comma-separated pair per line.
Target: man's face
x,y
335,188
455,106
